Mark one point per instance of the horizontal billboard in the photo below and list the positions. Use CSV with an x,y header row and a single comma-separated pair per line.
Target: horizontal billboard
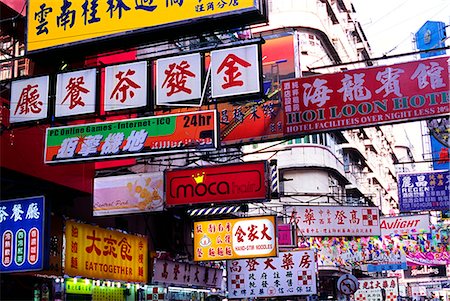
x,y
374,289
217,184
136,193
132,137
54,23
94,252
288,274
225,239
366,97
406,224
22,230
428,190
335,221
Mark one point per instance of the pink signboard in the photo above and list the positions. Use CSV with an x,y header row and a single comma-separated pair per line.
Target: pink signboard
x,y
286,235
363,97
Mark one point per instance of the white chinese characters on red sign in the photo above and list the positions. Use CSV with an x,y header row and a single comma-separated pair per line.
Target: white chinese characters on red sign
x,y
125,86
235,71
335,221
179,79
29,99
291,273
76,93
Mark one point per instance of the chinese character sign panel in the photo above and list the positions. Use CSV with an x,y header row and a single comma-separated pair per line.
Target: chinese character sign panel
x,y
76,93
235,238
235,71
132,137
179,79
335,221
408,224
125,86
136,193
408,91
424,191
29,99
371,289
185,274
289,274
55,23
22,232
217,184
93,252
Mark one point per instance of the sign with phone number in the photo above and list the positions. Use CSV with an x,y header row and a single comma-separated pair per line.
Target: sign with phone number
x,y
132,137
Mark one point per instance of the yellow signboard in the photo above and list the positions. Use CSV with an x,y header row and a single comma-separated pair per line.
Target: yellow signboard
x,y
56,22
93,252
250,237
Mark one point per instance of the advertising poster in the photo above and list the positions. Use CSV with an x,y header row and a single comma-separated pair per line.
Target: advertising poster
x,y
22,229
93,252
135,193
424,191
224,239
288,274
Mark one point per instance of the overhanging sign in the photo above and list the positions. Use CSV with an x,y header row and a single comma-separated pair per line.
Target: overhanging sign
x,y
132,137
55,23
364,97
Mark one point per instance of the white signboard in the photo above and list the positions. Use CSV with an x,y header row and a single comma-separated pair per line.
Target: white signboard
x,y
185,274
235,71
125,86
178,80
410,224
335,221
289,274
136,193
75,93
29,99
372,289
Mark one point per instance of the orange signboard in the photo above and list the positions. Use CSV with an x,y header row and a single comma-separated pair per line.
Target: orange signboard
x,y
93,252
249,237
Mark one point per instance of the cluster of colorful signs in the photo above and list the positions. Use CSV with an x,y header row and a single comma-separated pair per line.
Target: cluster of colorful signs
x,y
94,252
22,224
288,274
424,191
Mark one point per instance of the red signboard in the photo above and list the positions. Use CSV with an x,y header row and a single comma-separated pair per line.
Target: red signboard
x,y
364,97
216,184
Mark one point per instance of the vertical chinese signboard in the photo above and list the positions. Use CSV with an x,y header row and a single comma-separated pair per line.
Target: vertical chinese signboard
x,y
424,191
22,234
93,252
291,273
235,238
408,91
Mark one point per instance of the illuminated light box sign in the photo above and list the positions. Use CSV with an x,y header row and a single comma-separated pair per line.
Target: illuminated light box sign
x,y
424,191
235,238
289,274
217,184
406,224
22,234
136,193
55,24
132,137
364,97
93,252
335,221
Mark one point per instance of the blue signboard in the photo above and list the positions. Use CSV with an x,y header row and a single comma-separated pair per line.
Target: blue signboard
x,y
424,191
431,35
22,234
372,268
440,154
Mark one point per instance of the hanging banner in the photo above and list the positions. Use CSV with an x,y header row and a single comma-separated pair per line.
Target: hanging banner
x,y
374,289
335,221
424,191
235,238
169,272
132,137
289,274
366,97
428,258
136,193
22,229
93,252
406,224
